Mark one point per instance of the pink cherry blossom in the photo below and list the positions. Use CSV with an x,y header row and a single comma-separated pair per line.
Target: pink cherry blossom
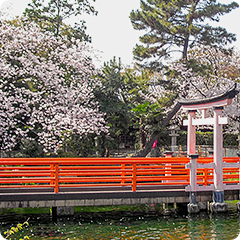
x,y
46,88
221,73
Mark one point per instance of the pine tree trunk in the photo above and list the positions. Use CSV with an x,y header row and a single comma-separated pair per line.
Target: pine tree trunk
x,y
185,48
190,22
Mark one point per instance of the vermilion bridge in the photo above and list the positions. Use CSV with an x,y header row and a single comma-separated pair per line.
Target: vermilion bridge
x,y
56,182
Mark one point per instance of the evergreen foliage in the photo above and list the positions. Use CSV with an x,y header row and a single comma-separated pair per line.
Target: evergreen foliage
x,y
112,98
54,13
172,26
131,102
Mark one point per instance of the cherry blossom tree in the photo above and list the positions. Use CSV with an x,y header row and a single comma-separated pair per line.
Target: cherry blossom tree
x,y
46,88
209,72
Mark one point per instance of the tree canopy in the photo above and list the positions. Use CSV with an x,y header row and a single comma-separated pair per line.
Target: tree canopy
x,y
172,26
46,89
54,13
132,101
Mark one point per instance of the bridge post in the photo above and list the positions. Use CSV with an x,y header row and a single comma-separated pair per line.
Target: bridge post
x,y
56,187
123,173
134,177
218,204
193,206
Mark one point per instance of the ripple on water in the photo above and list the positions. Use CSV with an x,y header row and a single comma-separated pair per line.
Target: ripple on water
x,y
124,226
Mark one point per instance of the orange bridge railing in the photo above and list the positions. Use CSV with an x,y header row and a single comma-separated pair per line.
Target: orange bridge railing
x,y
56,173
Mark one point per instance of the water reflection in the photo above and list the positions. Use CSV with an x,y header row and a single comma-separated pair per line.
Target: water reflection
x,y
129,225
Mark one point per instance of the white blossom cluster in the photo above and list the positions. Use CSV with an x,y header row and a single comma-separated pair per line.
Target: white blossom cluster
x,y
46,88
220,72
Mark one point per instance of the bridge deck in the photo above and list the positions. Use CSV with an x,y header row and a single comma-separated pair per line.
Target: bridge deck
x,y
14,198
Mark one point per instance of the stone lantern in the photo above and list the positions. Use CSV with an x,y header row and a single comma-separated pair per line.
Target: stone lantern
x,y
174,134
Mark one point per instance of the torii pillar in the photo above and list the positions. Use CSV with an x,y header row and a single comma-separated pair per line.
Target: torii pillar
x,y
192,106
191,135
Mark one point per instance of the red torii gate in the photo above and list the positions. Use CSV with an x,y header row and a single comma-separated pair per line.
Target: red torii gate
x,y
216,103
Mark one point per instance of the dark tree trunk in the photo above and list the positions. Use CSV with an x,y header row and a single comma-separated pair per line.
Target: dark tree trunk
x,y
185,48
156,134
142,135
190,25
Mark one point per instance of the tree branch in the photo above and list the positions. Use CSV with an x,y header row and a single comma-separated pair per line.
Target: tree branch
x,y
156,134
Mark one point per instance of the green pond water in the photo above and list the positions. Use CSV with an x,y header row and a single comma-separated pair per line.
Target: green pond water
x,y
124,224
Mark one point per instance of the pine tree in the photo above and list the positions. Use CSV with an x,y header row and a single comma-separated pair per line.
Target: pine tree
x,y
176,25
52,14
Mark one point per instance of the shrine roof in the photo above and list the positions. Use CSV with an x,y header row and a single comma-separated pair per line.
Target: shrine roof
x,y
218,100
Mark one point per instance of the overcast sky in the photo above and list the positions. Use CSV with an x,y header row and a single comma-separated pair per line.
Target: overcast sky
x,y
111,30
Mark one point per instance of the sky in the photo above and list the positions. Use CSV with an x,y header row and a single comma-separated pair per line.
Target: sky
x,y
111,30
